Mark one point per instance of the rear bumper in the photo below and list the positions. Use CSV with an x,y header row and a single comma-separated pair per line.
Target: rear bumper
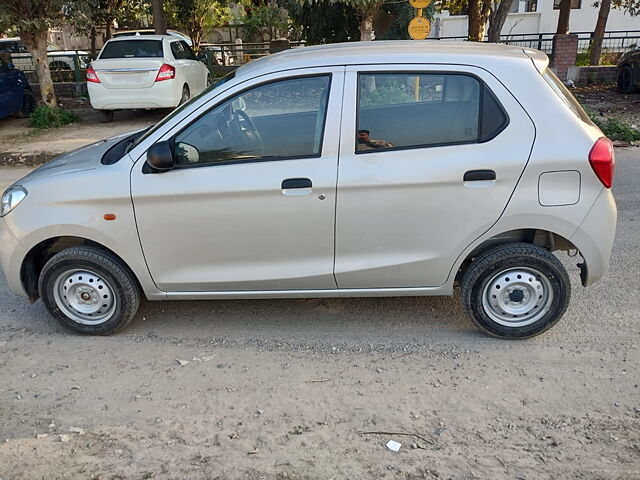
x,y
12,254
163,94
594,237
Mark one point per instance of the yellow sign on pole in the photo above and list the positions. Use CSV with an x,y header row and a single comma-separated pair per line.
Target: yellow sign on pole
x,y
419,28
420,3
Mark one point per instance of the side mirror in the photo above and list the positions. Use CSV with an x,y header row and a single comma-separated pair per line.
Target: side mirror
x,y
160,157
201,57
11,66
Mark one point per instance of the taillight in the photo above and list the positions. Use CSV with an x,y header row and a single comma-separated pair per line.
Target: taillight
x,y
602,160
92,76
166,72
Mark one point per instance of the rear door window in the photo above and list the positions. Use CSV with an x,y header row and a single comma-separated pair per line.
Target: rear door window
x,y
416,110
132,49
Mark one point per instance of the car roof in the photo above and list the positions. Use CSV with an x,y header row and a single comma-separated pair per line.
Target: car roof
x,y
143,37
389,52
10,39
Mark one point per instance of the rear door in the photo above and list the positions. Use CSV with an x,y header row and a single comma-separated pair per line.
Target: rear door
x,y
429,157
129,63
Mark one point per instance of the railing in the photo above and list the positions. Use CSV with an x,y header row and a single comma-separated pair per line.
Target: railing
x,y
65,66
613,42
239,53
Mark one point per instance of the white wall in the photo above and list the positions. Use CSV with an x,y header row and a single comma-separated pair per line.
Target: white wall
x,y
544,20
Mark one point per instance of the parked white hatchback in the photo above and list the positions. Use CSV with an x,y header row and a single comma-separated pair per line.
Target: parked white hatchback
x,y
326,172
150,71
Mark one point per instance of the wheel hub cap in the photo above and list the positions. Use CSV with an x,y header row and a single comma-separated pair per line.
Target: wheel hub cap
x,y
84,296
517,297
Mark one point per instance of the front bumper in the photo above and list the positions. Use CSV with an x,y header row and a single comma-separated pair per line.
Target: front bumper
x,y
594,237
163,94
12,253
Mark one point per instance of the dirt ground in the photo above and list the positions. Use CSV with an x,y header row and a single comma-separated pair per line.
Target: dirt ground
x,y
21,145
301,389
610,103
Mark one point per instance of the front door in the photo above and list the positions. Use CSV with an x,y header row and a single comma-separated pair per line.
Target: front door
x,y
428,161
251,202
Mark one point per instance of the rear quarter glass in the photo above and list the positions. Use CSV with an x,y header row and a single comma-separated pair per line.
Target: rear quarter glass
x,y
565,95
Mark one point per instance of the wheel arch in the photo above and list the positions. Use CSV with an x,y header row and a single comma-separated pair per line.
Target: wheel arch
x,y
535,236
41,253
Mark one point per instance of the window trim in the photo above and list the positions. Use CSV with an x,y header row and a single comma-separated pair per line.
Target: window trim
x,y
482,85
147,169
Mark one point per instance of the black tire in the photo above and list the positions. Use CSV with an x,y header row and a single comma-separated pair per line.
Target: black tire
x,y
495,266
113,275
106,116
29,104
186,94
625,79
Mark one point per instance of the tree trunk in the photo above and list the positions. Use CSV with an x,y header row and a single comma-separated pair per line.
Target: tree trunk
x,y
598,33
93,34
159,25
366,26
563,17
108,25
36,42
478,12
497,19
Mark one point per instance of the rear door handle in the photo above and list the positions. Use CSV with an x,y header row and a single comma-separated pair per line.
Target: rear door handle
x,y
479,175
296,186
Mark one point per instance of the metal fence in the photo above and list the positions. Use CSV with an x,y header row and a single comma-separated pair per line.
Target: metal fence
x,y
71,65
613,42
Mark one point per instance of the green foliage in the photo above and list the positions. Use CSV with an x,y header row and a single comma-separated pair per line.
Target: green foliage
x,y
271,19
30,15
48,117
584,59
613,128
197,17
322,21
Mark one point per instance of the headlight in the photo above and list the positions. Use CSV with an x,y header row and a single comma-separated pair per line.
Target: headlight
x,y
11,198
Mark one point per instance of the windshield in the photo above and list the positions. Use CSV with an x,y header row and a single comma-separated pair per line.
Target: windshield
x,y
179,109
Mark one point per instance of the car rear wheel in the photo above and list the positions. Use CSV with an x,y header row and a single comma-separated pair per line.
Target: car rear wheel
x,y
184,98
625,80
89,290
28,104
515,291
106,116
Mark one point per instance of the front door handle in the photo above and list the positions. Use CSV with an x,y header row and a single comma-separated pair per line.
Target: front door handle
x,y
479,175
296,186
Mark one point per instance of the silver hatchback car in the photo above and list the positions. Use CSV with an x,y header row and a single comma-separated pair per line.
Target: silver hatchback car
x,y
328,172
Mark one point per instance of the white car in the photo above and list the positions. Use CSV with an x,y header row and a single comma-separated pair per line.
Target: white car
x,y
59,59
150,31
151,71
358,169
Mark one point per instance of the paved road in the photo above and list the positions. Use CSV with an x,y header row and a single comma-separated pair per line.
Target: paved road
x,y
285,388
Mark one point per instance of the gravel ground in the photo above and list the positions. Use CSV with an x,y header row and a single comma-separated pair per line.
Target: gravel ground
x,y
294,389
608,102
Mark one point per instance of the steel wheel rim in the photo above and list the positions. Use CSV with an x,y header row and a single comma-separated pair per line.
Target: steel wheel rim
x,y
84,296
517,297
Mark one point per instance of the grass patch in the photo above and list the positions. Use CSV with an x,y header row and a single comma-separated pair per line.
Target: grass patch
x,y
613,128
49,117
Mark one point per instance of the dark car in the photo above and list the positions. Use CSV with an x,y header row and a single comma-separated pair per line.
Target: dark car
x,y
629,71
16,95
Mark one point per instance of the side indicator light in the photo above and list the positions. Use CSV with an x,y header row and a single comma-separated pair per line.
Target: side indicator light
x,y
109,217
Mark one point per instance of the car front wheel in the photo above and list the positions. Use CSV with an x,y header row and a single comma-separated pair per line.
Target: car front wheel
x,y
89,290
515,291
